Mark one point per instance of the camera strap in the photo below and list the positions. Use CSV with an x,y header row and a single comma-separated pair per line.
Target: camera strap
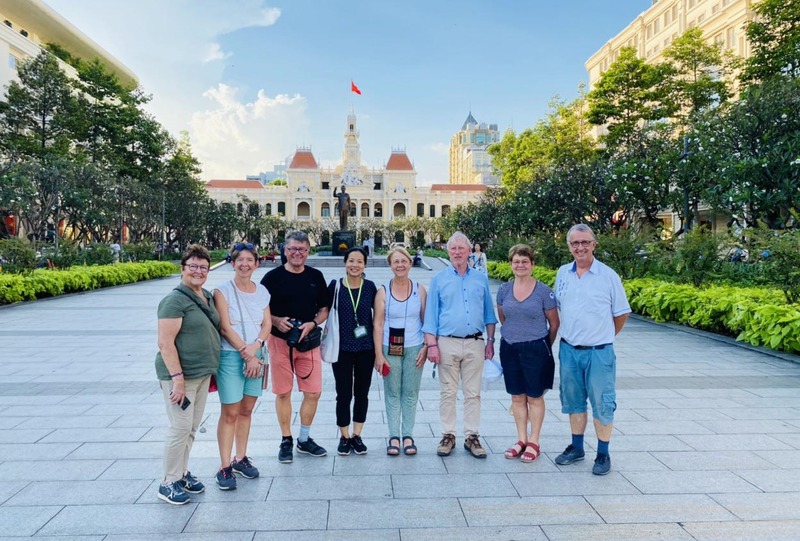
x,y
291,363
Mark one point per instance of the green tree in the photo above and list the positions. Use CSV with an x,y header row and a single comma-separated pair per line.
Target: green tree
x,y
774,35
756,143
629,92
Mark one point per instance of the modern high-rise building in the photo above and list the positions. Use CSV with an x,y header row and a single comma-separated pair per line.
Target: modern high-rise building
x,y
470,163
27,26
722,21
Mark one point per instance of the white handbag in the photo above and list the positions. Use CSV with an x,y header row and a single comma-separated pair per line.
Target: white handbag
x,y
330,335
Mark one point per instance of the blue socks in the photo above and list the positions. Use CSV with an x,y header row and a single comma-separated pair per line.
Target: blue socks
x,y
577,441
304,431
602,447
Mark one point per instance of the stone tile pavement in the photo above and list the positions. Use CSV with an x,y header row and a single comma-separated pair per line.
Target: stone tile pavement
x,y
706,447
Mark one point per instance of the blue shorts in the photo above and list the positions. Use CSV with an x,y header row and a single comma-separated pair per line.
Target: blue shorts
x,y
231,381
528,367
588,373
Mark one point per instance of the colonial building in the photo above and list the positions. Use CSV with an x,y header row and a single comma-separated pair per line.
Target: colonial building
x,y
386,193
722,21
28,25
470,163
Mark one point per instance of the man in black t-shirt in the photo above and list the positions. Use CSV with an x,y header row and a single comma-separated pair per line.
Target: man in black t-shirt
x,y
299,296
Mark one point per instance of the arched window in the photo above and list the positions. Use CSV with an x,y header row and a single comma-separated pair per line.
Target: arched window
x,y
281,208
433,211
365,210
239,209
399,236
399,210
254,209
352,208
325,212
268,209
378,211
303,210
420,209
445,210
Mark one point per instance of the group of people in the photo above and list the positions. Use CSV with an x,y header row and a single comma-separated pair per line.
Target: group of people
x,y
391,328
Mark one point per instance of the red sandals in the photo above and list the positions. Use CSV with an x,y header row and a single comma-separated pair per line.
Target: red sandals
x,y
515,450
531,453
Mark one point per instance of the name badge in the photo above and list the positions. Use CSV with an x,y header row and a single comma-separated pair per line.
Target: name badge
x,y
360,331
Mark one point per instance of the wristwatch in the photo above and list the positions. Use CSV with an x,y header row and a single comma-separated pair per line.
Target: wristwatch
x,y
260,341
490,340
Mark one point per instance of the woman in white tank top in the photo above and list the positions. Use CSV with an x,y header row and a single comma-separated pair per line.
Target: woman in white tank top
x,y
400,349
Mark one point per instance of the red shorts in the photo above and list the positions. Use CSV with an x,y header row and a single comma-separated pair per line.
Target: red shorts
x,y
305,363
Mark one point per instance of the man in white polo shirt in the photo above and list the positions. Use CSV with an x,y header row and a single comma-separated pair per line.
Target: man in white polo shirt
x,y
593,309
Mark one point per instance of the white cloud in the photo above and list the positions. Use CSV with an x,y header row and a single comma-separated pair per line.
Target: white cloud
x,y
233,139
214,52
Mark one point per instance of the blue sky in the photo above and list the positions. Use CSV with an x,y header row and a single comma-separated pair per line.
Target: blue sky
x,y
251,80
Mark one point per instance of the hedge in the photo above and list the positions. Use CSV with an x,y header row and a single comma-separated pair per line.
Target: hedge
x,y
758,316
49,283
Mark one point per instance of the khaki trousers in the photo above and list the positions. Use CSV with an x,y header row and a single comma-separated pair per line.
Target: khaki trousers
x,y
183,426
460,358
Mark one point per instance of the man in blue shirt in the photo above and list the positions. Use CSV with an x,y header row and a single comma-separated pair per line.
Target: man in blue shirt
x,y
593,309
458,310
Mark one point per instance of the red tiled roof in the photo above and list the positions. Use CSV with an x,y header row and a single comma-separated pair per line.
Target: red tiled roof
x,y
399,161
235,184
458,187
303,159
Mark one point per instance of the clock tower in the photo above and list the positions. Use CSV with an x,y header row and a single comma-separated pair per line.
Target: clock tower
x,y
351,157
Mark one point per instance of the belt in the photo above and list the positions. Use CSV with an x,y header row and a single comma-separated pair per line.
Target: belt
x,y
476,336
601,346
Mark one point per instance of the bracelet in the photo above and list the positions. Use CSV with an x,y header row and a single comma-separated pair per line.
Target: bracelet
x,y
314,321
175,375
432,346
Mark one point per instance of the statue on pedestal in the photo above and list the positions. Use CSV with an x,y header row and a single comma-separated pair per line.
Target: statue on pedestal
x,y
344,207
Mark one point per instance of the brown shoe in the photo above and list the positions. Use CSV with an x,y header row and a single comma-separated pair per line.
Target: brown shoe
x,y
473,445
446,445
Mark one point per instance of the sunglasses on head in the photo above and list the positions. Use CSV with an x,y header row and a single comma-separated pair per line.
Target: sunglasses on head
x,y
239,247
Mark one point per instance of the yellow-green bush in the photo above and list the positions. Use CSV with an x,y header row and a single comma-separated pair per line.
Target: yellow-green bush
x,y
757,315
501,270
49,283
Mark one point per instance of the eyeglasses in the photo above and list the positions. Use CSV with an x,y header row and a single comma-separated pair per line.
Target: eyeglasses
x,y
197,268
581,243
239,247
297,250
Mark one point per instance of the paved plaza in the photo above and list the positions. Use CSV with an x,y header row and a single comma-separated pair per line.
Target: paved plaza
x,y
706,446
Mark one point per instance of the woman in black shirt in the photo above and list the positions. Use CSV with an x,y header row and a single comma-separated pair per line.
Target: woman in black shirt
x,y
353,369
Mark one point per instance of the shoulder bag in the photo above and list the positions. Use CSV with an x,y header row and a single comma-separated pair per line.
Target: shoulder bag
x,y
330,336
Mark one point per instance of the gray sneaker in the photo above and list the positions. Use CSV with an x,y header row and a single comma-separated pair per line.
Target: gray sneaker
x,y
173,493
225,479
602,465
285,455
191,484
245,468
310,447
571,454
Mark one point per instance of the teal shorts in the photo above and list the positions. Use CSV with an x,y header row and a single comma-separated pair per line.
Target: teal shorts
x,y
231,381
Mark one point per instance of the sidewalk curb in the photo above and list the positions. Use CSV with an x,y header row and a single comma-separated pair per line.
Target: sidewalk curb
x,y
721,338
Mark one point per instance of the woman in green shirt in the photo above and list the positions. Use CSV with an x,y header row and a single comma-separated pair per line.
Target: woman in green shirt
x,y
188,344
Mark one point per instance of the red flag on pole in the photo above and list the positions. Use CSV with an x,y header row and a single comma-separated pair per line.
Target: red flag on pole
x,y
354,88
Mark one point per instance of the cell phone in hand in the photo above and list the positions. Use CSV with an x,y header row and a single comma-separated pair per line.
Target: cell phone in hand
x,y
385,369
185,403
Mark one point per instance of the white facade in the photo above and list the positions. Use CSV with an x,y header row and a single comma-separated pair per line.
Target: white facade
x,y
386,193
26,26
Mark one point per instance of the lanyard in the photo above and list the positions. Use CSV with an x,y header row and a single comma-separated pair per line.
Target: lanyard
x,y
356,301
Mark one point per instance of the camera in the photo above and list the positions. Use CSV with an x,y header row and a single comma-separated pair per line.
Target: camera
x,y
293,336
